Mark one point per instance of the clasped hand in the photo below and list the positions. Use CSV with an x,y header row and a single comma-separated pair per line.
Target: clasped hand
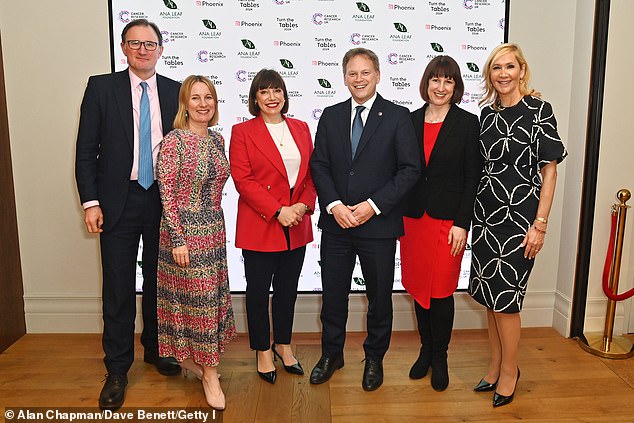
x,y
291,215
353,216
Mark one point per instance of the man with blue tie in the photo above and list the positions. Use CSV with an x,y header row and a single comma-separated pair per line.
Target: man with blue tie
x,y
124,116
364,162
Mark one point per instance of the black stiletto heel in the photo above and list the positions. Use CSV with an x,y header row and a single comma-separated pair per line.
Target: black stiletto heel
x,y
295,369
267,376
500,400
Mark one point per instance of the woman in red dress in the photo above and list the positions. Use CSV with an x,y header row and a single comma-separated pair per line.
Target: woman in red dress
x,y
438,212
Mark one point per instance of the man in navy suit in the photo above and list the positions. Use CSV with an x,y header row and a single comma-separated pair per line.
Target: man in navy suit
x,y
365,160
116,206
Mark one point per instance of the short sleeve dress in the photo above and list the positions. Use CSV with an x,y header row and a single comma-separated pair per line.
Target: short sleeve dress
x,y
194,303
516,142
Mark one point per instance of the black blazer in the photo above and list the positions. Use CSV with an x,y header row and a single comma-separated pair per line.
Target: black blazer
x,y
449,182
105,141
385,167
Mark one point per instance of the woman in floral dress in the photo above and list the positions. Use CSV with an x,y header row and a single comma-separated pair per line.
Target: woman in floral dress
x,y
194,304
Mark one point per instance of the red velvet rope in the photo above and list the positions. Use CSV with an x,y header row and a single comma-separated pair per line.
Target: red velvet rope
x,y
608,264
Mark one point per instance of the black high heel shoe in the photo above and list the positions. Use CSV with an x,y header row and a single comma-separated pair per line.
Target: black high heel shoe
x,y
484,386
500,400
267,376
295,369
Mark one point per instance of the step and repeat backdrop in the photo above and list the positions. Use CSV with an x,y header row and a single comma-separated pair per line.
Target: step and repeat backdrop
x,y
229,41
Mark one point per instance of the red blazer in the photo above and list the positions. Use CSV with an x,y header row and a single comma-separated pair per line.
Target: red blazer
x,y
260,178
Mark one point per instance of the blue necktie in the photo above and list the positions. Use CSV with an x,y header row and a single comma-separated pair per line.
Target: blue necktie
x,y
146,171
357,129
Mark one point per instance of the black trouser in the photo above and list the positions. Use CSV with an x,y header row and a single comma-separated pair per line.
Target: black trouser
x,y
141,217
261,269
338,257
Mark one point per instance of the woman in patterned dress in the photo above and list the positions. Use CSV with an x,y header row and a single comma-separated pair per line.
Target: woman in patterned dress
x,y
194,303
438,212
269,157
521,150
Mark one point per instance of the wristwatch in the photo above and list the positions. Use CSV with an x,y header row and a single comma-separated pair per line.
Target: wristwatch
x,y
543,220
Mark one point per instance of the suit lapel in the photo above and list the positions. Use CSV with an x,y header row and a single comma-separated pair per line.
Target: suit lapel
x,y
375,116
168,107
345,123
446,128
264,142
123,97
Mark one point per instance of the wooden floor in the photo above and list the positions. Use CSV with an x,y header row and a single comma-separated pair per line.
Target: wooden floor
x,y
559,383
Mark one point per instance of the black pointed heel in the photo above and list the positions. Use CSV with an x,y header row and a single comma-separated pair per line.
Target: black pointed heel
x,y
500,400
484,386
269,377
295,369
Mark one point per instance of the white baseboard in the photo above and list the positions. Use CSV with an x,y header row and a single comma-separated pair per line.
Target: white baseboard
x,y
47,314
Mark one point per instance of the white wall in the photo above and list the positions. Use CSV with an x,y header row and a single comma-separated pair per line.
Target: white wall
x,y
61,262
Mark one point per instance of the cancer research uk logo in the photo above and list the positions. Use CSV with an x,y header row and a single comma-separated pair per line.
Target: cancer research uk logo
x,y
211,31
172,13
249,51
402,36
356,38
365,16
173,36
205,56
126,16
396,58
438,7
474,4
325,18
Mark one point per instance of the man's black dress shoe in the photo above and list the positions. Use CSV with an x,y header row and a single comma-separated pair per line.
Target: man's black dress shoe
x,y
113,392
484,386
372,374
500,400
325,367
167,366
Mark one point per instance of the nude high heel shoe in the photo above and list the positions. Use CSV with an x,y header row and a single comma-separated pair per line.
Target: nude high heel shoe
x,y
188,366
215,401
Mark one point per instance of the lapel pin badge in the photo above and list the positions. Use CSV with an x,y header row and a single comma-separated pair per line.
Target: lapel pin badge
x,y
380,113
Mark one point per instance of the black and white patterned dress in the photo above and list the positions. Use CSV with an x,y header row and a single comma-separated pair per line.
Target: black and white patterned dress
x,y
516,143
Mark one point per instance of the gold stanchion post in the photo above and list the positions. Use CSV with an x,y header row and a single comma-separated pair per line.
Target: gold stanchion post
x,y
605,344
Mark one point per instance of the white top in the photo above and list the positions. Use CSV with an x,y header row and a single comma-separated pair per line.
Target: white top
x,y
288,149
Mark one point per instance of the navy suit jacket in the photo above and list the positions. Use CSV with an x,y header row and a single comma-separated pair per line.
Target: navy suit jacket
x,y
384,169
448,185
105,141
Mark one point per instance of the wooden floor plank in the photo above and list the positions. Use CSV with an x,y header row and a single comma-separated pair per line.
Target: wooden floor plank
x,y
560,382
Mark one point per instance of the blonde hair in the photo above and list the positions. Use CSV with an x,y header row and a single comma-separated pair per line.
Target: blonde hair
x,y
490,94
180,121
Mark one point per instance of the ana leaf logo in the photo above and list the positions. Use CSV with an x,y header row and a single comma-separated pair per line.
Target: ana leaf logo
x,y
248,44
170,4
286,63
359,281
473,67
400,27
324,83
437,47
209,24
363,7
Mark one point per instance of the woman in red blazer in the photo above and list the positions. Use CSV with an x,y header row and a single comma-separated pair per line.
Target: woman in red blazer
x,y
269,164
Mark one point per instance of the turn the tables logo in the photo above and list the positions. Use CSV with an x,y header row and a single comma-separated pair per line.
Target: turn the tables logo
x,y
473,74
438,7
205,56
217,82
172,61
244,98
325,43
325,18
365,16
282,43
403,36
287,24
212,32
289,70
400,82
474,4
325,90
394,6
357,38
173,13
250,51
126,16
475,28
249,5
434,27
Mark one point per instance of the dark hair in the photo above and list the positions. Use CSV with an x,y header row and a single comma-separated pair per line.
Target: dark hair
x,y
266,78
360,51
142,22
442,66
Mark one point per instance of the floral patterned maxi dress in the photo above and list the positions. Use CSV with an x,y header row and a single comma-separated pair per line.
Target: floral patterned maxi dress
x,y
195,316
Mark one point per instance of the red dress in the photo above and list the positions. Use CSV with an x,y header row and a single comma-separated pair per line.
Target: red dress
x,y
428,270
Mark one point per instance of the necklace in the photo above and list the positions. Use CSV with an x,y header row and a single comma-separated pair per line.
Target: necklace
x,y
440,117
277,131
